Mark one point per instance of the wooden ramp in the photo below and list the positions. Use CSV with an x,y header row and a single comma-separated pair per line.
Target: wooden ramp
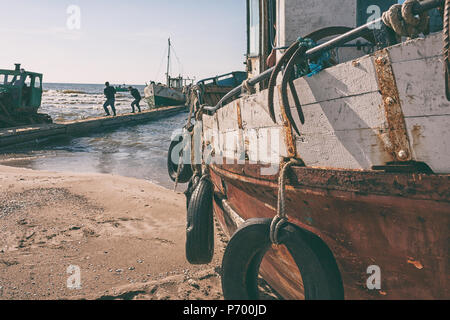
x,y
36,133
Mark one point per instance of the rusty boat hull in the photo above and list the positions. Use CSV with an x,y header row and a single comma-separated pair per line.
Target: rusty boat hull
x,y
372,184
398,222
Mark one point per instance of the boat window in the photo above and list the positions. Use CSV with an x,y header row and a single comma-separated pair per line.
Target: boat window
x,y
254,27
3,79
272,24
37,82
28,81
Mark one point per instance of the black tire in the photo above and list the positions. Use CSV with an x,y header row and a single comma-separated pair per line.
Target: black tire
x,y
190,189
186,169
247,247
200,224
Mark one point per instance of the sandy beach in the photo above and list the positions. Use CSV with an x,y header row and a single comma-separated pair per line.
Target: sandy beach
x,y
126,237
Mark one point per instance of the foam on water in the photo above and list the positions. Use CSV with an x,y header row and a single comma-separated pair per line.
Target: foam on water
x,y
67,102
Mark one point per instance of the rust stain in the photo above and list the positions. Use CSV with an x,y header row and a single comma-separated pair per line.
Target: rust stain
x,y
364,183
239,115
242,140
415,263
416,133
289,134
399,145
353,227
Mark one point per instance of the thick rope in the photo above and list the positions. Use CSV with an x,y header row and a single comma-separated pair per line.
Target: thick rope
x,y
446,35
404,22
180,161
247,87
186,127
281,218
191,109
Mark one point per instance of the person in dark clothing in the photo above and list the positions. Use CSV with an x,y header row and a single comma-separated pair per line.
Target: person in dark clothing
x,y
137,98
110,94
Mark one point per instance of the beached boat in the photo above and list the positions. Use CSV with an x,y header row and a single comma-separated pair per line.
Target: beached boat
x,y
170,94
121,88
209,91
157,95
332,179
20,98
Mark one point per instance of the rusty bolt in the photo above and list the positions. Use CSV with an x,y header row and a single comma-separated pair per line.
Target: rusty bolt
x,y
389,101
381,60
403,155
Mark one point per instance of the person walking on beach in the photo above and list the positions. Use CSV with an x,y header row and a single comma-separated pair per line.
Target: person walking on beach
x,y
110,94
137,98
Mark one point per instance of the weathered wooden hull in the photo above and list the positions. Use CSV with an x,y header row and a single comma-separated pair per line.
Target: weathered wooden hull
x,y
380,113
398,222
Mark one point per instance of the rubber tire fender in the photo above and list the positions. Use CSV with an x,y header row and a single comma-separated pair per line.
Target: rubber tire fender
x,y
193,182
185,171
247,247
200,224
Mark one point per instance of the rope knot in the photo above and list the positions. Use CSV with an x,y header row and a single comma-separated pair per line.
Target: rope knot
x,y
281,218
404,22
247,87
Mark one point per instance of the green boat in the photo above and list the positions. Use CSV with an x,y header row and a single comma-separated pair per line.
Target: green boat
x,y
121,88
20,98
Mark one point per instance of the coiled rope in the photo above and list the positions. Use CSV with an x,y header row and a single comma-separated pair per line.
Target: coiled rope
x,y
249,89
404,22
187,128
446,35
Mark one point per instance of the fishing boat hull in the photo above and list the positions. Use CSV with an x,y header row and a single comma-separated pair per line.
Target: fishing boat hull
x,y
374,184
398,222
159,95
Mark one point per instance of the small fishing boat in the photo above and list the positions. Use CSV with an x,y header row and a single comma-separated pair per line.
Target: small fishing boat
x,y
330,171
170,94
121,88
157,95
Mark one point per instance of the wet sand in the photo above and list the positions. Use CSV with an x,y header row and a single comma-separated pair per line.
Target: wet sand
x,y
125,235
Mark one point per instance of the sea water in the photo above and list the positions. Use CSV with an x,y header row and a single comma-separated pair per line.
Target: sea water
x,y
137,151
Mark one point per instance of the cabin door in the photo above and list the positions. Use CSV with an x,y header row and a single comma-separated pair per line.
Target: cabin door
x,y
261,34
253,37
36,92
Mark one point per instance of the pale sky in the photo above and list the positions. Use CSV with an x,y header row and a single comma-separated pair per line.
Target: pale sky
x,y
122,41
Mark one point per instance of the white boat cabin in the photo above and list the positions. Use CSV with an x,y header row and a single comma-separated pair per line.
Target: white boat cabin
x,y
370,111
275,24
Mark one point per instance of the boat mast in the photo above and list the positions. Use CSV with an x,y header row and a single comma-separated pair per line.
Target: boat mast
x,y
168,66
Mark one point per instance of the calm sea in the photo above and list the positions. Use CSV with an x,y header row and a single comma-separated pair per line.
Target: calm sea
x,y
139,151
